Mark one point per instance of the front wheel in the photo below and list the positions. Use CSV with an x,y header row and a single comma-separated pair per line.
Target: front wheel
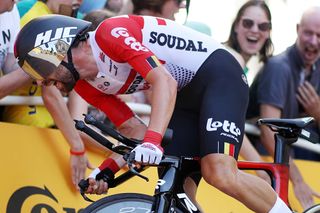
x,y
121,203
313,209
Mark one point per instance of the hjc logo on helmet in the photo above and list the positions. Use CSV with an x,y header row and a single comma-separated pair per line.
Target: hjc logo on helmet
x,y
50,35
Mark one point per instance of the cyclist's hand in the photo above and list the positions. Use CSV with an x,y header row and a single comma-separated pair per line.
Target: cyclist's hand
x,y
305,194
78,164
148,153
97,186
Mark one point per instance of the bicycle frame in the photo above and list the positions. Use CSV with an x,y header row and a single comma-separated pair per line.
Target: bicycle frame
x,y
170,188
279,169
279,174
170,184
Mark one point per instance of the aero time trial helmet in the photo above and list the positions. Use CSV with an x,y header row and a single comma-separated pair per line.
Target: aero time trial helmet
x,y
43,42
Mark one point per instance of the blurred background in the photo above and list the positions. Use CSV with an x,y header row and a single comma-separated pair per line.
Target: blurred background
x,y
218,15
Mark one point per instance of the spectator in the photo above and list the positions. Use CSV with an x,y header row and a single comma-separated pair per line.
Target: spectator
x,y
250,33
127,7
96,17
288,86
24,6
15,79
250,36
159,8
90,5
114,5
9,29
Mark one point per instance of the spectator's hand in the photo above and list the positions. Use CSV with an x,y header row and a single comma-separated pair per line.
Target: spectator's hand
x,y
148,153
78,164
309,99
97,187
305,194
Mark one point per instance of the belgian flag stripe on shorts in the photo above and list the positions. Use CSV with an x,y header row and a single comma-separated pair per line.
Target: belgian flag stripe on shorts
x,y
228,149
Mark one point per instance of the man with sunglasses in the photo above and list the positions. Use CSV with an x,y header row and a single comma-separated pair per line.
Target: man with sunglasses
x,y
288,86
198,90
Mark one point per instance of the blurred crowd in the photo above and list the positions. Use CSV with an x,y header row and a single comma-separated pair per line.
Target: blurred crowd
x,y
286,86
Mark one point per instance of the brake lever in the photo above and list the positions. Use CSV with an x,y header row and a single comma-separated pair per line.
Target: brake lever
x,y
83,185
130,159
123,150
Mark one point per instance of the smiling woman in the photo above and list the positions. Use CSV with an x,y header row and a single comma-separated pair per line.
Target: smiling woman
x,y
250,32
218,15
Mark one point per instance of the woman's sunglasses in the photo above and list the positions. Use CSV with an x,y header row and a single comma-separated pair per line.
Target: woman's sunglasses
x,y
178,2
248,24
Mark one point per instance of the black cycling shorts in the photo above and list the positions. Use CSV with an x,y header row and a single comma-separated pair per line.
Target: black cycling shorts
x,y
209,114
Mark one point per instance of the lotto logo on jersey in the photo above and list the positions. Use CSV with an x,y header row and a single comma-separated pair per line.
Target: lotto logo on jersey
x,y
229,128
51,35
129,40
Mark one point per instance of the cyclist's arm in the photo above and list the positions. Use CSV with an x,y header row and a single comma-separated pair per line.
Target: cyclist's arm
x,y
164,87
76,105
164,91
131,128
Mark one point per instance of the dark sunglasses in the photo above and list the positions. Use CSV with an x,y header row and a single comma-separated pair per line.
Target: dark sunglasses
x,y
248,24
178,2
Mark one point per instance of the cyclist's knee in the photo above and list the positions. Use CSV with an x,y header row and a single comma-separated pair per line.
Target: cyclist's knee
x,y
219,171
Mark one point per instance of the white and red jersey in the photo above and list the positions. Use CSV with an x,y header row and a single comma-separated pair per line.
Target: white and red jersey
x,y
126,48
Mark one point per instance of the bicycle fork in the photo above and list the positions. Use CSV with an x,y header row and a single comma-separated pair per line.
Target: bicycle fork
x,y
170,195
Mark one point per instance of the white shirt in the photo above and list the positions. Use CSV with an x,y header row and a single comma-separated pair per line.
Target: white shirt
x,y
9,28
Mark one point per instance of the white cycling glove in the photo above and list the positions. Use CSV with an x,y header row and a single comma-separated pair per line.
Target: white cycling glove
x,y
148,153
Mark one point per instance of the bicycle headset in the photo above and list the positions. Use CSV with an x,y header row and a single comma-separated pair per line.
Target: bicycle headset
x,y
42,44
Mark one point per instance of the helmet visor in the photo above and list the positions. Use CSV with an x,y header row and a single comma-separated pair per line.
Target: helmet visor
x,y
43,60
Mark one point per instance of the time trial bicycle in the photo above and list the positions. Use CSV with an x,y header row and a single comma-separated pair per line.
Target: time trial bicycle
x,y
169,195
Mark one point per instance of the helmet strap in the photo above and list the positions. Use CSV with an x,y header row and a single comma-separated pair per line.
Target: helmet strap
x,y
70,66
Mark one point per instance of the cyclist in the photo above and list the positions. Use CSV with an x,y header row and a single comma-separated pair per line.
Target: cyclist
x,y
197,86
